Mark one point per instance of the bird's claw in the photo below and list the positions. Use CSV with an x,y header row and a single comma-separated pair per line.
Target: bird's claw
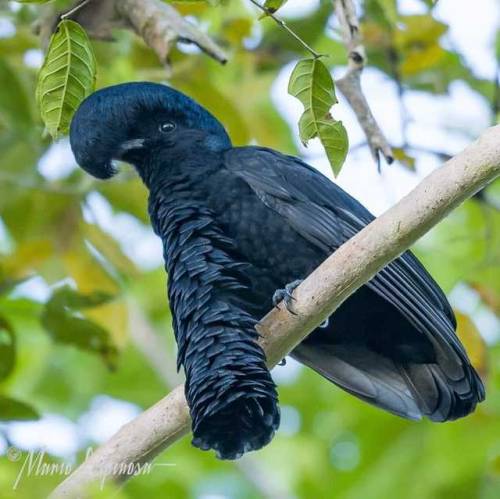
x,y
286,296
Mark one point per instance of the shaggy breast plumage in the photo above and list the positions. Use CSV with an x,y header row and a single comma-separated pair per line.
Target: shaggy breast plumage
x,y
225,367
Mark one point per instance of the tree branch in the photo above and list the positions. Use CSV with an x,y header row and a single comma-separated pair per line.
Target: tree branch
x,y
157,23
352,265
350,83
161,26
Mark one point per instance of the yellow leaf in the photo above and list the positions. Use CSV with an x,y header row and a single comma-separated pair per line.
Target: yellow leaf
x,y
401,156
88,272
421,59
113,316
26,258
235,30
473,342
419,31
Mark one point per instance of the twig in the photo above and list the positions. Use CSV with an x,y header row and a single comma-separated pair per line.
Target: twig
x,y
285,26
352,265
350,83
75,9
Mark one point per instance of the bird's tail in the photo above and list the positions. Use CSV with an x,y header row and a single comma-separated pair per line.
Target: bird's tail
x,y
408,390
232,398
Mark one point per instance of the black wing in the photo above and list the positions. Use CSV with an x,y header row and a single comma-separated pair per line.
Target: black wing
x,y
324,214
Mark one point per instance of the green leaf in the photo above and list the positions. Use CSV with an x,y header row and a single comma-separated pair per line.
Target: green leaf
x,y
33,1
67,76
272,6
7,348
15,410
405,159
312,84
62,319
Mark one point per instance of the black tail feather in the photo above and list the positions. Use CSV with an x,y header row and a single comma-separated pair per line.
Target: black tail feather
x,y
405,389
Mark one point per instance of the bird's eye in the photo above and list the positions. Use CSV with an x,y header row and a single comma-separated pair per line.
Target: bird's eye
x,y
167,127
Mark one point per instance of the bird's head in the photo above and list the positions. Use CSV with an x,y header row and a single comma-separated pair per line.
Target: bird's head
x,y
128,121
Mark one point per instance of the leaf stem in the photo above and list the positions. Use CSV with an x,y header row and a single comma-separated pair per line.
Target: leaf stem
x,y
74,9
290,31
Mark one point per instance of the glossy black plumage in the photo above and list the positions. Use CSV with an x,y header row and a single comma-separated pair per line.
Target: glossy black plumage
x,y
232,398
238,223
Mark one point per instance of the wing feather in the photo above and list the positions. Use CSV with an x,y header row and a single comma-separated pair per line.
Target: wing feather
x,y
326,216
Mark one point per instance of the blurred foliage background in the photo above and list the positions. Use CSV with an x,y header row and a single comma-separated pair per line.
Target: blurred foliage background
x,y
85,329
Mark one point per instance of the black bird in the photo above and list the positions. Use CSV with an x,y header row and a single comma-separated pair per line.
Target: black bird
x,y
238,223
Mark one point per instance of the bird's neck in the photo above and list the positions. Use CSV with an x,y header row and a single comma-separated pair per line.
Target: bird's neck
x,y
182,165
178,187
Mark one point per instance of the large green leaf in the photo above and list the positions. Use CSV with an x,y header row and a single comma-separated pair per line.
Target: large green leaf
x,y
66,77
62,319
312,84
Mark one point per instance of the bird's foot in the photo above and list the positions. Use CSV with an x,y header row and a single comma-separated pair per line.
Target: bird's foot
x,y
286,295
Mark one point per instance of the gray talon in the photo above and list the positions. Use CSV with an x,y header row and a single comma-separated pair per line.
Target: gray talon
x,y
278,296
286,295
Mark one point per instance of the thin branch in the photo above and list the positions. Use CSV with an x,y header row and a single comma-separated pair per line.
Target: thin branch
x,y
350,83
352,265
158,23
285,26
75,9
161,26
